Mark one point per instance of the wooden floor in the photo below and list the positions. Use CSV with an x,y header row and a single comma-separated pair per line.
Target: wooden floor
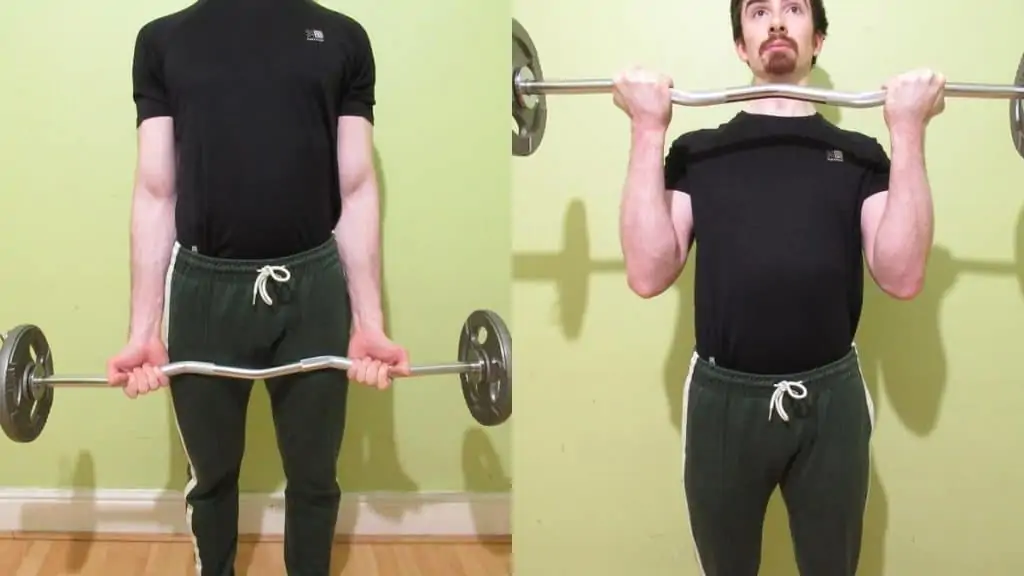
x,y
22,556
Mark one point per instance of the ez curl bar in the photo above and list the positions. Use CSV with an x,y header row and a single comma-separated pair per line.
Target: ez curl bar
x,y
530,110
27,379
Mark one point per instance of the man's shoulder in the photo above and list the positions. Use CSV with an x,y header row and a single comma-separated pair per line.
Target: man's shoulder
x,y
158,30
338,22
700,137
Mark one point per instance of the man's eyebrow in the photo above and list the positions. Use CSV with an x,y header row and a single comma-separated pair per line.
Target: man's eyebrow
x,y
748,3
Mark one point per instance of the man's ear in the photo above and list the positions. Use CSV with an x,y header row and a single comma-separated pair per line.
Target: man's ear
x,y
741,50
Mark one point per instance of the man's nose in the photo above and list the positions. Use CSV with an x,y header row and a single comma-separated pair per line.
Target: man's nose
x,y
778,27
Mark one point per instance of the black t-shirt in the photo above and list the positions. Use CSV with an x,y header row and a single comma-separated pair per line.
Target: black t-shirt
x,y
776,208
255,88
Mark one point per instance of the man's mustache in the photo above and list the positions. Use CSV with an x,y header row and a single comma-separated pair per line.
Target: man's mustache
x,y
778,39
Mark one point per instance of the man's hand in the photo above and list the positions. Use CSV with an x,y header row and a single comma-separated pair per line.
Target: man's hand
x,y
914,98
137,367
375,358
645,97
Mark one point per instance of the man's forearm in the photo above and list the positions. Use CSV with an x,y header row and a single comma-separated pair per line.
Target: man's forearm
x,y
905,232
358,237
152,238
646,231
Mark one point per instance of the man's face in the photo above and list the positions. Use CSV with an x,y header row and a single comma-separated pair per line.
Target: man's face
x,y
778,39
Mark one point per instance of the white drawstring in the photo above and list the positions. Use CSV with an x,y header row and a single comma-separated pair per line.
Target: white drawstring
x,y
276,273
795,390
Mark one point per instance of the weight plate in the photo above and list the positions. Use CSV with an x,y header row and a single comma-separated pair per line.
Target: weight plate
x,y
24,353
529,111
1017,113
488,393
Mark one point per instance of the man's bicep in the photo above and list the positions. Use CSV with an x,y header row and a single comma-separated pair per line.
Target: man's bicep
x,y
355,152
682,221
871,212
155,171
873,196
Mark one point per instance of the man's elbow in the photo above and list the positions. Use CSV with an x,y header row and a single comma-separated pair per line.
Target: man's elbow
x,y
155,188
649,282
644,287
905,287
899,273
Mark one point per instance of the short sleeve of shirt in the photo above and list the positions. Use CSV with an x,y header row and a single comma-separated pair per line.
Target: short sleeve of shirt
x,y
676,169
358,91
878,167
149,90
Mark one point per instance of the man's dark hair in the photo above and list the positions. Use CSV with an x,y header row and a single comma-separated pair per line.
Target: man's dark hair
x,y
817,14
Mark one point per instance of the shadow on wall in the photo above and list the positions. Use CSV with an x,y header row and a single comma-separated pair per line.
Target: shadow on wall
x,y
484,474
82,517
569,270
369,457
898,341
81,475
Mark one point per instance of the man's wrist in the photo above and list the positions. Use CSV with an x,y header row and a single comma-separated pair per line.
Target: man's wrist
x,y
648,134
144,329
141,336
907,134
368,322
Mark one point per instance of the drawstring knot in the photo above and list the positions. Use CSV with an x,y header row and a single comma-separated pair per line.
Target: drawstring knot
x,y
276,273
795,390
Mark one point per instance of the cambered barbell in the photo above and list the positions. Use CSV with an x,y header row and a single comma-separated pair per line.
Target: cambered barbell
x,y
529,88
27,380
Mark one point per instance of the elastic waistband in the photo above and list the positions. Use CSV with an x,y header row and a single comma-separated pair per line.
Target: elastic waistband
x,y
847,365
318,257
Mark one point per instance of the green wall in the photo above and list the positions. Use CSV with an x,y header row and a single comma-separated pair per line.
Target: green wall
x,y
68,142
600,370
598,463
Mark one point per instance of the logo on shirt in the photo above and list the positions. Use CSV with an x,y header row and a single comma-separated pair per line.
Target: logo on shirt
x,y
314,35
834,155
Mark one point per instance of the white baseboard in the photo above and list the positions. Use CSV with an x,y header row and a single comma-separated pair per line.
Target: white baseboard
x,y
162,512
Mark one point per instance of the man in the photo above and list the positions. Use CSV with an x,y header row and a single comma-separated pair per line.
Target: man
x,y
781,203
256,203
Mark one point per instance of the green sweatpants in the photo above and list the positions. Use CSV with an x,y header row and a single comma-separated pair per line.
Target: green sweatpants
x,y
806,433
257,314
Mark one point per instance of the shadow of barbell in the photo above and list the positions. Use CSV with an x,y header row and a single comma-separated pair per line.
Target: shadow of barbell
x,y
571,268
944,262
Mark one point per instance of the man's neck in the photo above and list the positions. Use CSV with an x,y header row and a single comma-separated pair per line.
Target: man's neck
x,y
781,106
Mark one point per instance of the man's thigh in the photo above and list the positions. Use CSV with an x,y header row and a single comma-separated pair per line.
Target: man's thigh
x,y
826,487
729,473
